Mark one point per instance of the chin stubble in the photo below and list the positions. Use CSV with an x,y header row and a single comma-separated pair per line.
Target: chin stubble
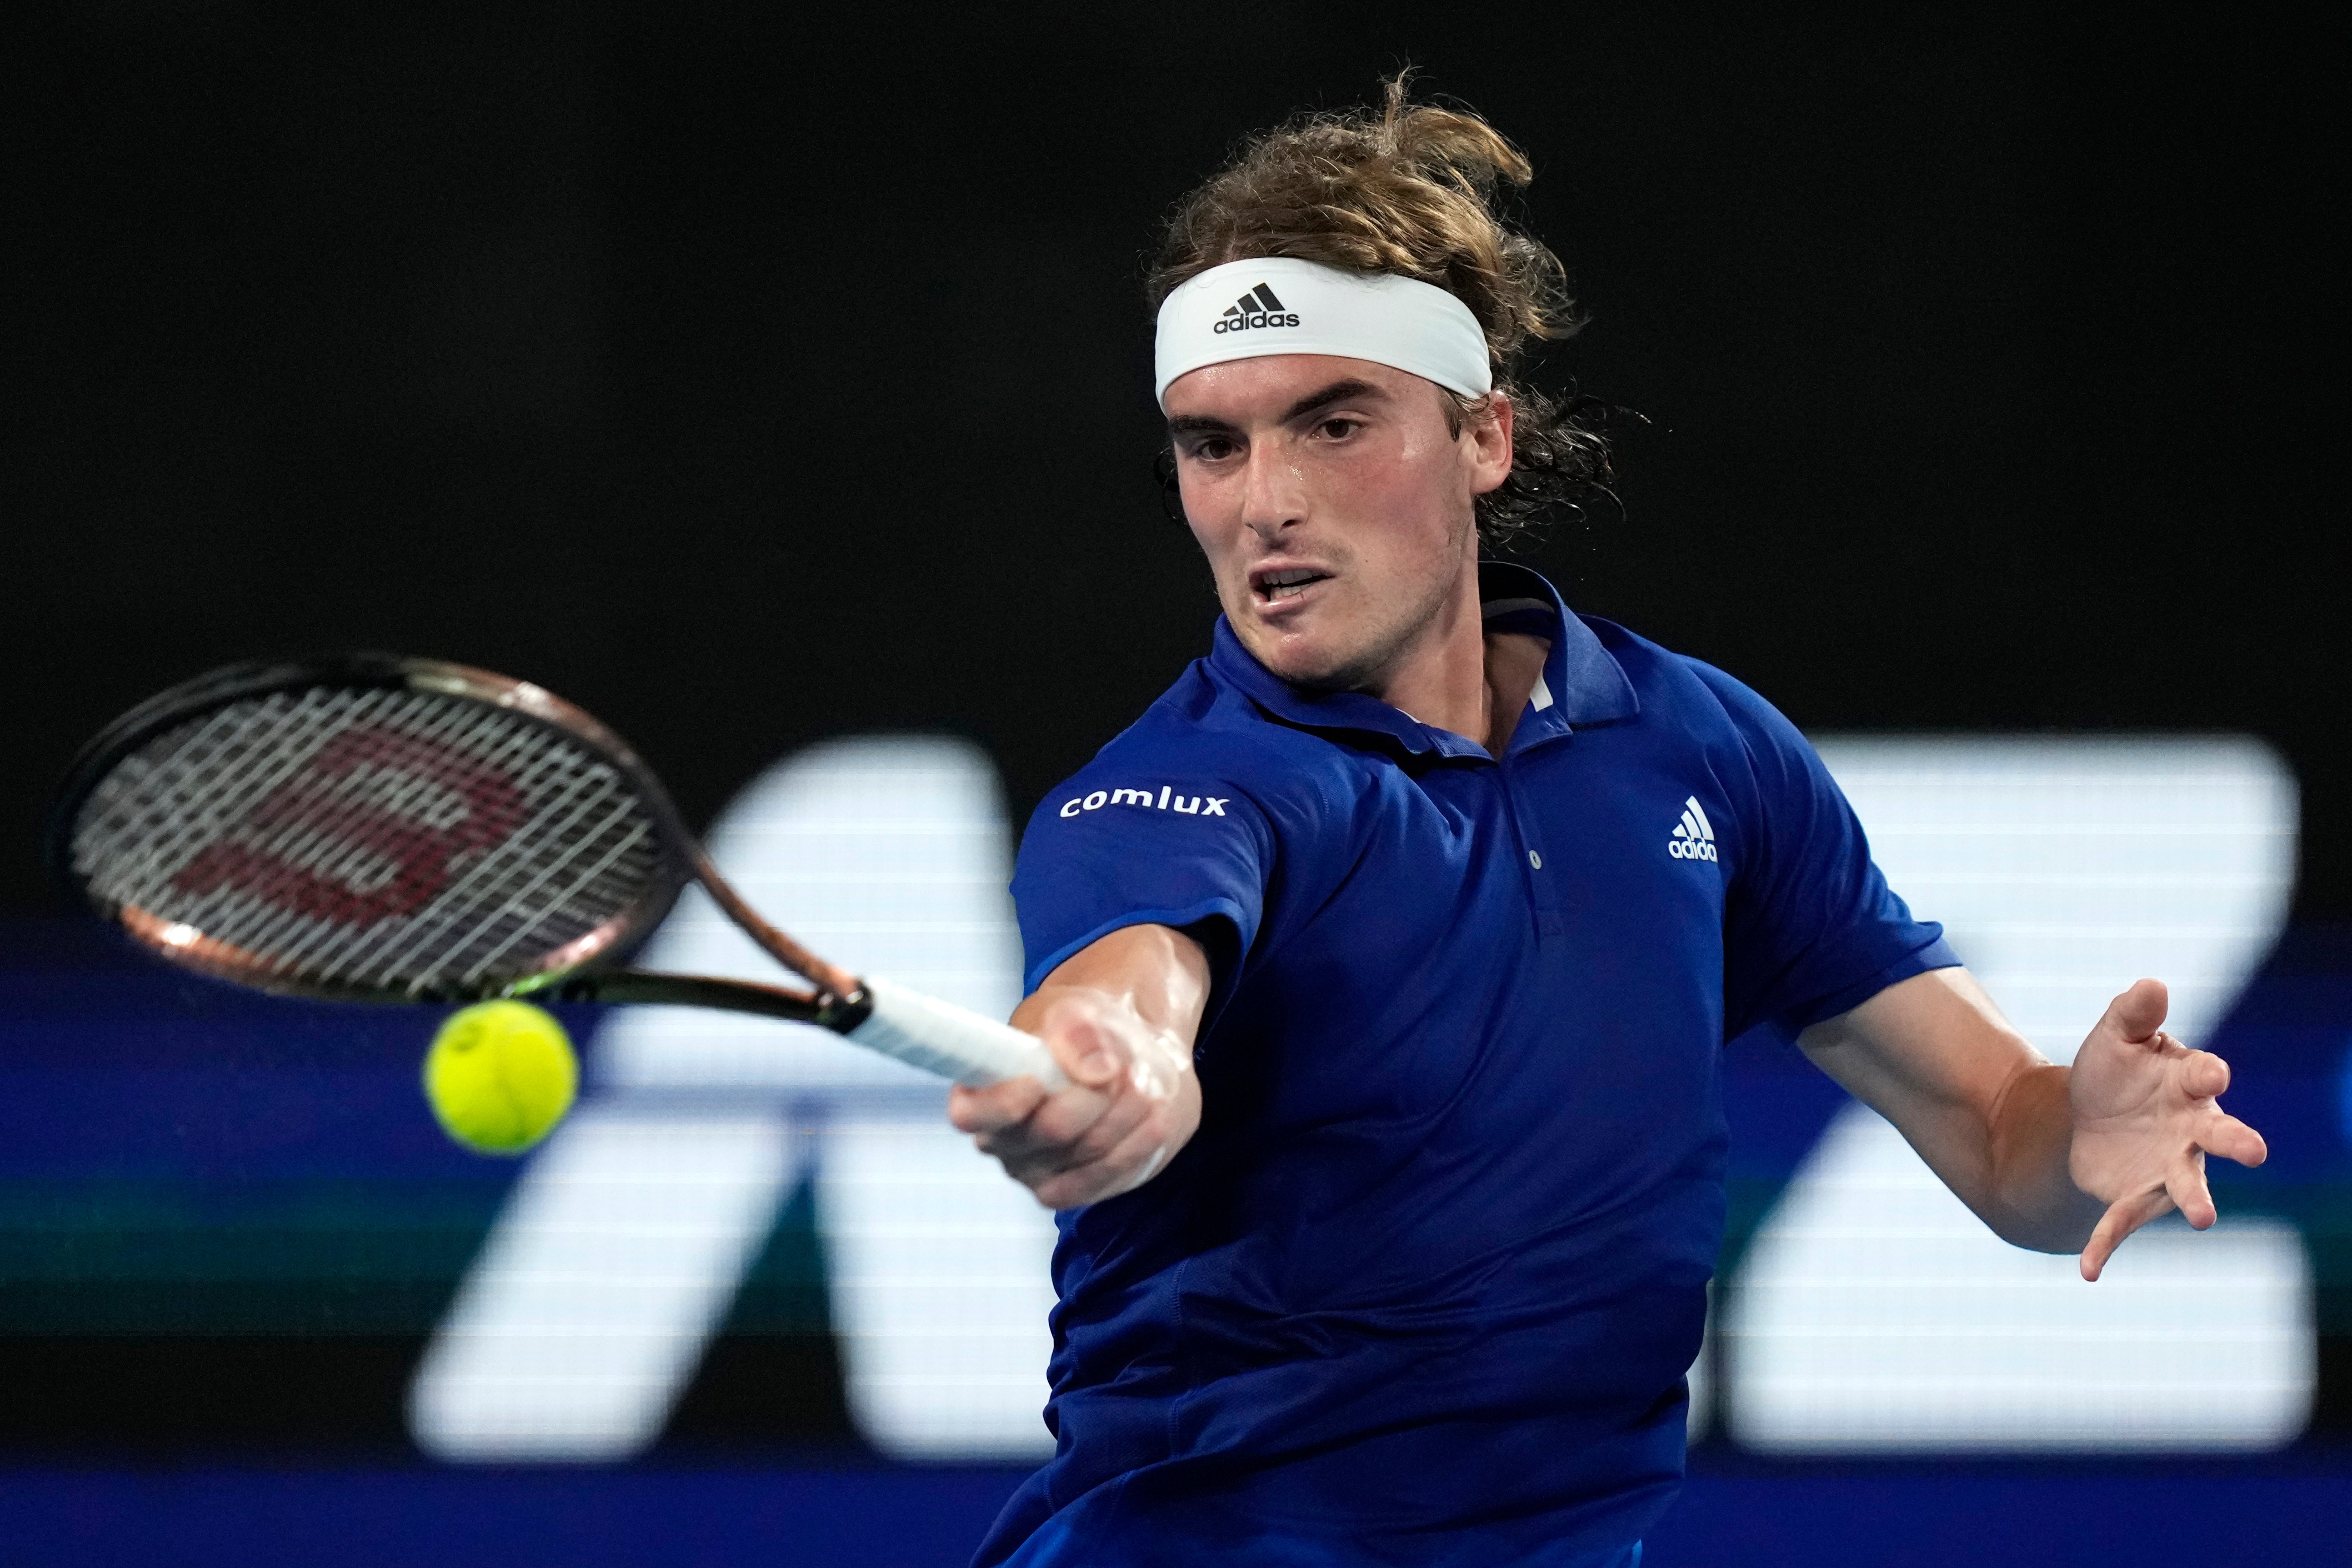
x,y
1366,669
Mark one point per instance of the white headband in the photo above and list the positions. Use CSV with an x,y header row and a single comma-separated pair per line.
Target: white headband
x,y
1281,305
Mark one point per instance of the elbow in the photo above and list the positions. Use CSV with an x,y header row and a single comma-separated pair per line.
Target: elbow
x,y
2056,1240
2060,1228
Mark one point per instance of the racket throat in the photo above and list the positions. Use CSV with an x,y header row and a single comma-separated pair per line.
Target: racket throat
x,y
825,1009
843,1014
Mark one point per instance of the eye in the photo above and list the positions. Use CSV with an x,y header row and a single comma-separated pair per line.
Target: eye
x,y
1339,428
1213,449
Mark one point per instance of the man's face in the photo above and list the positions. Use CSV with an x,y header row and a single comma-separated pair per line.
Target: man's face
x,y
1334,503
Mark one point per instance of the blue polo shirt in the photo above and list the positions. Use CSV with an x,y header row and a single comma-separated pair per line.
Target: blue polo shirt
x,y
1423,1287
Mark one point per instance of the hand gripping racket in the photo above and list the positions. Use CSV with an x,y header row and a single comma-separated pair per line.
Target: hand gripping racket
x,y
381,829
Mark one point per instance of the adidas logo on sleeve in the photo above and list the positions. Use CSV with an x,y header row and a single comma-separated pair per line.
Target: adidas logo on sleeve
x,y
1258,308
1693,835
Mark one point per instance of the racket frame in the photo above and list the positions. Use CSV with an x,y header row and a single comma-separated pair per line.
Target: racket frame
x,y
586,969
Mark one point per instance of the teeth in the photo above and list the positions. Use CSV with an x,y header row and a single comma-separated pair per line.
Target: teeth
x,y
1284,584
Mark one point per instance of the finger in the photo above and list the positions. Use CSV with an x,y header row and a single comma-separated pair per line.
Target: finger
x,y
1141,1154
2186,1188
2233,1139
993,1106
1031,1163
2204,1075
1075,1188
1087,1051
1040,1141
2124,1216
1096,1140
1133,1160
2139,1013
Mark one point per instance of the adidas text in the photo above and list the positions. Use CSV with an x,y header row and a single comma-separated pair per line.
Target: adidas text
x,y
1693,835
1258,308
1167,800
1257,319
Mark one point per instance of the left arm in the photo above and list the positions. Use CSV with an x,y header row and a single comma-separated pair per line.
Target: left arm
x,y
2051,1158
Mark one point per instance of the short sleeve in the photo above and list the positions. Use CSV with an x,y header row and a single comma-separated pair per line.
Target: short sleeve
x,y
1119,847
1811,927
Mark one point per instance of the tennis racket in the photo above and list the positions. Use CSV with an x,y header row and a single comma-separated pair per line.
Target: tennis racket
x,y
381,829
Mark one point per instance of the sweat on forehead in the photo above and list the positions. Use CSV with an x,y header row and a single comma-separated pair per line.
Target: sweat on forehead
x,y
1281,305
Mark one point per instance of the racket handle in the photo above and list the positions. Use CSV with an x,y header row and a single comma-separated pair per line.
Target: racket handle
x,y
951,1041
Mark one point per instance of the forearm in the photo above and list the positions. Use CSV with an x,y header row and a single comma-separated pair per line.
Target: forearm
x,y
1156,970
2027,1145
1933,1054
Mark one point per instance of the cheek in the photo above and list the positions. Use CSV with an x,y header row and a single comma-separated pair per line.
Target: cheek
x,y
1219,537
1432,466
1413,503
1205,512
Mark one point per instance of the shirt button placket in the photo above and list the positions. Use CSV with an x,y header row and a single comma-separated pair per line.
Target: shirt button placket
x,y
1543,888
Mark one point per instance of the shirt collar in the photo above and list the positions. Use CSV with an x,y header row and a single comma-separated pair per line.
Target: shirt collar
x,y
1581,682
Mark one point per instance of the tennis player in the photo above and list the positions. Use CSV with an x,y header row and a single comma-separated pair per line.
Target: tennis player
x,y
1390,952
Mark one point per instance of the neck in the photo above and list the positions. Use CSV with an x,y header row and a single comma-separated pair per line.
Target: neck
x,y
1454,677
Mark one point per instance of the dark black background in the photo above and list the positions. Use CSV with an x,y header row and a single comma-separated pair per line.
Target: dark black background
x,y
748,374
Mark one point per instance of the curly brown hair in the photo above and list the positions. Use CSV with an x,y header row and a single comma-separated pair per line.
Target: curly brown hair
x,y
1409,188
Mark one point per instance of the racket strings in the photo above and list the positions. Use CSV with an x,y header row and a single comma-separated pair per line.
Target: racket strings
x,y
348,874
370,839
150,835
359,865
524,878
509,758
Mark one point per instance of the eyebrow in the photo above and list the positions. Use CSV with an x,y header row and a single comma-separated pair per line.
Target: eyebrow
x,y
1338,392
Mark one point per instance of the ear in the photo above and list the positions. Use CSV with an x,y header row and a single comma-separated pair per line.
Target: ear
x,y
1489,432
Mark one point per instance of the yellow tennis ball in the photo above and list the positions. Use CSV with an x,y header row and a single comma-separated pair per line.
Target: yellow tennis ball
x,y
500,1076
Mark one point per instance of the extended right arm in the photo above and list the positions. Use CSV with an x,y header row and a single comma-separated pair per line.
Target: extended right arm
x,y
1120,1015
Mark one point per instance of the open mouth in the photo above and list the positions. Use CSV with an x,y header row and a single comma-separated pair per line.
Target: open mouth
x,y
1274,587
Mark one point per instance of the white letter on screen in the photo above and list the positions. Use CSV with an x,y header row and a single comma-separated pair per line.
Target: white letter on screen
x,y
1872,1312
581,1324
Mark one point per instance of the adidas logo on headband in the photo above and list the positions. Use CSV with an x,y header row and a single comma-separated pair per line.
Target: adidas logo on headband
x,y
1382,317
1258,308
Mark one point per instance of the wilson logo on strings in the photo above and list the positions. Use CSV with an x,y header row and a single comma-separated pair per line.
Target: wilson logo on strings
x,y
369,828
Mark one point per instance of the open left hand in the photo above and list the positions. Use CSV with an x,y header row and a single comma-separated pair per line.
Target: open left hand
x,y
2145,1118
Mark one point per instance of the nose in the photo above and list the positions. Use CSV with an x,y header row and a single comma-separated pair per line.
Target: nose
x,y
1273,495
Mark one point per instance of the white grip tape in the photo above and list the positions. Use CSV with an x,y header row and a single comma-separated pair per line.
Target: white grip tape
x,y
951,1041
